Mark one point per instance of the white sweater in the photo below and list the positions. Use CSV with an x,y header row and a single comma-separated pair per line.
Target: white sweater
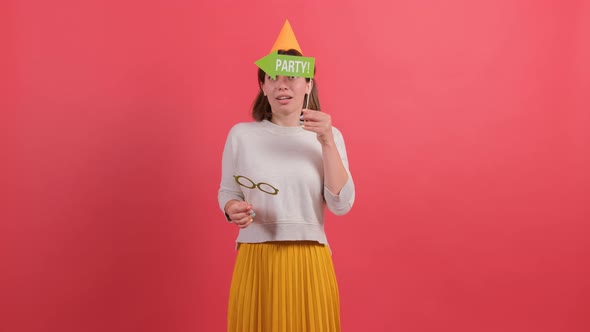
x,y
281,172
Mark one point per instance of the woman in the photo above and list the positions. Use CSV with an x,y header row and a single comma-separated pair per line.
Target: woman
x,y
278,175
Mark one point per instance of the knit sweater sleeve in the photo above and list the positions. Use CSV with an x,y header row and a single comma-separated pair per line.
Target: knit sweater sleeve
x,y
342,203
229,188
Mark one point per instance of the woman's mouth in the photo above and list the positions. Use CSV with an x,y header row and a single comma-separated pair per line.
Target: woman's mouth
x,y
283,100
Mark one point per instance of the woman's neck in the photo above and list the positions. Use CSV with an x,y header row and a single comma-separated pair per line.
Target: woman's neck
x,y
286,120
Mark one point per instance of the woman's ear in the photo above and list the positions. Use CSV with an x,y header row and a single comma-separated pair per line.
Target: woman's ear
x,y
309,85
261,85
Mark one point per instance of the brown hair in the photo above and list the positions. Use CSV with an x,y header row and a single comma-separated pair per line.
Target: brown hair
x,y
261,108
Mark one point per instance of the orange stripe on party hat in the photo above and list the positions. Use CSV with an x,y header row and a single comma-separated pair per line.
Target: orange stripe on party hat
x,y
286,39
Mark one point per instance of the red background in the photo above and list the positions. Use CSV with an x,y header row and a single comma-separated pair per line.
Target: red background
x,y
467,125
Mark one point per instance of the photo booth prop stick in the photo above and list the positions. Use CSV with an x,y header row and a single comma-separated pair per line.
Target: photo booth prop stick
x,y
286,65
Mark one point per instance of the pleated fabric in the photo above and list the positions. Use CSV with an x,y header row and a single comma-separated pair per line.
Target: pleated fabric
x,y
284,287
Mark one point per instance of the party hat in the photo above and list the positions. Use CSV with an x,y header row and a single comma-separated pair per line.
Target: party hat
x,y
286,39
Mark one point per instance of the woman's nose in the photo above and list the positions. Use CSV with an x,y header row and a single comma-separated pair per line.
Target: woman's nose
x,y
282,82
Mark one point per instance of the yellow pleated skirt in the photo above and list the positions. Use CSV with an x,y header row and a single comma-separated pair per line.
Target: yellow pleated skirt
x,y
284,287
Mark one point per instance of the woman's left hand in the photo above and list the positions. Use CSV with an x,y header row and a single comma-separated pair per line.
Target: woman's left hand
x,y
320,123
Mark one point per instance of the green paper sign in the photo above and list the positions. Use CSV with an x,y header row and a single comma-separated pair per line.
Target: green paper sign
x,y
286,65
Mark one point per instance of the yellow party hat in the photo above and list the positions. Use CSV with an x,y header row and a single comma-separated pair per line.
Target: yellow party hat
x,y
286,39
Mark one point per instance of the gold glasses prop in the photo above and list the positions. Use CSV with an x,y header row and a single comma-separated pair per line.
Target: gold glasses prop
x,y
262,186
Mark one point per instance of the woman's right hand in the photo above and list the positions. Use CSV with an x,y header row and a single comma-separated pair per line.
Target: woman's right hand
x,y
240,213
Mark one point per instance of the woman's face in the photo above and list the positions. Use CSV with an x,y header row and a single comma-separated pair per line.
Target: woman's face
x,y
285,93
